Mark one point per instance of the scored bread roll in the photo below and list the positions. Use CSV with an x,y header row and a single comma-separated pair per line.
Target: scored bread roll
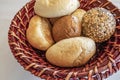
x,y
66,27
55,8
71,52
39,33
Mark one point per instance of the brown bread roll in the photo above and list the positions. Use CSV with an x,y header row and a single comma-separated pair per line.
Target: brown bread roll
x,y
39,33
71,52
66,27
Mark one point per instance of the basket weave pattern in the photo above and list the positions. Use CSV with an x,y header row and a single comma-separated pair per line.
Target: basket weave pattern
x,y
103,64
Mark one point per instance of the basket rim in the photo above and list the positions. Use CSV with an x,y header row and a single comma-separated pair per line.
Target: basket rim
x,y
44,70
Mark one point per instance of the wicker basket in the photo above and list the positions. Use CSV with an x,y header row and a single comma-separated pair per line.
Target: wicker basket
x,y
103,64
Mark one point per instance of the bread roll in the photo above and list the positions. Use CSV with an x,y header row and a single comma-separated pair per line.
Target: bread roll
x,y
66,27
71,52
55,8
39,33
98,24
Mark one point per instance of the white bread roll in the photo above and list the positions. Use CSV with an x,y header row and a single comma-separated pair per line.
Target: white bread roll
x,y
39,33
55,8
71,52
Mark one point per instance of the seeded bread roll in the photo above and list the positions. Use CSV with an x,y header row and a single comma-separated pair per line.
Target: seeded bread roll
x,y
71,52
55,8
98,24
39,33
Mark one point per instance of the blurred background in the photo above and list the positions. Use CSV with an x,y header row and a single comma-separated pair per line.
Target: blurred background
x,y
9,68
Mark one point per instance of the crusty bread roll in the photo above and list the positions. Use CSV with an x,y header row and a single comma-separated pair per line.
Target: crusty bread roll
x,y
71,52
39,33
66,27
55,8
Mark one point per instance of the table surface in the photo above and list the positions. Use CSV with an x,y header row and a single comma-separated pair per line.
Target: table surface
x,y
9,68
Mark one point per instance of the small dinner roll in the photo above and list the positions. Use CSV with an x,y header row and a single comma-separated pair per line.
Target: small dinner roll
x,y
71,52
39,33
66,27
55,8
98,24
